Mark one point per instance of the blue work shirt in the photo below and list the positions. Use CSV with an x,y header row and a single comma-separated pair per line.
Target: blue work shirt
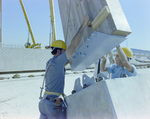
x,y
55,74
118,72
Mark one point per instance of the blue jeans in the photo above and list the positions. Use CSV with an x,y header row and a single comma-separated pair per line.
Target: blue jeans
x,y
47,110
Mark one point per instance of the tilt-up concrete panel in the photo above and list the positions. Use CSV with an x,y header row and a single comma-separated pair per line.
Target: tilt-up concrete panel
x,y
122,98
73,11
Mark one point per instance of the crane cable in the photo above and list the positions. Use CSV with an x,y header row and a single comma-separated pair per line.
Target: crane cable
x,y
50,37
27,43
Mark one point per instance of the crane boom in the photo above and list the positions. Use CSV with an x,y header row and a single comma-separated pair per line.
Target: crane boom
x,y
38,45
51,4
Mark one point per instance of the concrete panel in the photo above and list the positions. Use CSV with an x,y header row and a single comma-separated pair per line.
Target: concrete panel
x,y
120,98
94,48
130,98
91,103
21,59
73,11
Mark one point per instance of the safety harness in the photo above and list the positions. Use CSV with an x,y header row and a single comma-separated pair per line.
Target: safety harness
x,y
43,83
58,101
122,75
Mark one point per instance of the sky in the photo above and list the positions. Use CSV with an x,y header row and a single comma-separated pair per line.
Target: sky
x,y
15,29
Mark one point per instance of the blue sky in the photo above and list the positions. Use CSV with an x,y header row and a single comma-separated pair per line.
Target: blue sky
x,y
15,30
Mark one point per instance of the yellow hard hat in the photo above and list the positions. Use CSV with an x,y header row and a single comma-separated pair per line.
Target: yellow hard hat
x,y
59,44
127,51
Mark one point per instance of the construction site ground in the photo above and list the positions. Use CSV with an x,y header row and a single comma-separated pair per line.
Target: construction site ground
x,y
19,97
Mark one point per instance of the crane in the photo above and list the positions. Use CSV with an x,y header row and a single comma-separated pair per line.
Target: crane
x,y
51,3
28,45
52,37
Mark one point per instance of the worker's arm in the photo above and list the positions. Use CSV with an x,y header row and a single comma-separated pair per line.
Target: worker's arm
x,y
75,41
112,60
124,59
103,64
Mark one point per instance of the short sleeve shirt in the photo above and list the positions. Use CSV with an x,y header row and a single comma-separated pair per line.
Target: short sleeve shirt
x,y
55,74
118,72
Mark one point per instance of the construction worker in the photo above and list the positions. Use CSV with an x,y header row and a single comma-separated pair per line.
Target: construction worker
x,y
51,106
122,68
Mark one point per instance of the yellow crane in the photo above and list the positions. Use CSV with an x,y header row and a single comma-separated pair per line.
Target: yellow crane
x,y
51,4
28,45
52,37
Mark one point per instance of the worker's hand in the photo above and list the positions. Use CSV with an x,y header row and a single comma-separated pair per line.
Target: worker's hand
x,y
104,58
103,64
86,19
110,54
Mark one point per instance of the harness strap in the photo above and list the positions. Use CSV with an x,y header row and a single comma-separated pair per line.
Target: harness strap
x,y
43,83
121,73
52,93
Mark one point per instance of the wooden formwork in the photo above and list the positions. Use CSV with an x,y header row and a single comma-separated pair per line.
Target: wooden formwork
x,y
73,11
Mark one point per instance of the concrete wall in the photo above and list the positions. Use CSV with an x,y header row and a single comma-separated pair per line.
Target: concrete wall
x,y
21,59
104,37
126,98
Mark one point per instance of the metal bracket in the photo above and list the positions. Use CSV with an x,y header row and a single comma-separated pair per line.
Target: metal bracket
x,y
77,86
102,75
86,80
